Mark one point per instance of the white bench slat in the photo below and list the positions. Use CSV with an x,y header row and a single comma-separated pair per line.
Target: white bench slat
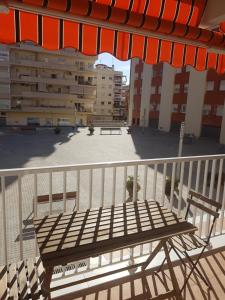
x,y
3,283
32,278
12,282
22,280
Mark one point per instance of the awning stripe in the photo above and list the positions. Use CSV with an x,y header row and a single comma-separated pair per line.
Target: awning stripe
x,y
54,33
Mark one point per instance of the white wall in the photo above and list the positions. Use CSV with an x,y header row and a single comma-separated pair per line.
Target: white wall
x,y
145,96
166,102
195,102
134,62
222,132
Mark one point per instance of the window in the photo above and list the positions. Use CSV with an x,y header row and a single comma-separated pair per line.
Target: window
x,y
183,108
109,111
178,70
110,94
219,110
206,109
177,88
102,103
109,102
110,78
210,85
153,89
186,87
188,68
222,85
103,77
175,107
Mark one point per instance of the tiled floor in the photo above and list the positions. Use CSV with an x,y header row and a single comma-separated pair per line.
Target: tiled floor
x,y
143,286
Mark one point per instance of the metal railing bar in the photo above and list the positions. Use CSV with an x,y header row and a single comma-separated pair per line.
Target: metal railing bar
x,y
150,162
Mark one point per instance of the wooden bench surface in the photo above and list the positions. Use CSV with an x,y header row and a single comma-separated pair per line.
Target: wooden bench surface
x,y
56,197
80,235
110,128
22,280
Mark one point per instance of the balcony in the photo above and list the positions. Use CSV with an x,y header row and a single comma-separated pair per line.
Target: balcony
x,y
44,109
104,184
51,65
54,96
89,86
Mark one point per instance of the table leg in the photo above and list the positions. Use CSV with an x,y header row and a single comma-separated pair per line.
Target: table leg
x,y
45,288
152,255
172,274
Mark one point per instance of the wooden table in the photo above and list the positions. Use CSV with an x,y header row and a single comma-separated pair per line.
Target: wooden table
x,y
69,237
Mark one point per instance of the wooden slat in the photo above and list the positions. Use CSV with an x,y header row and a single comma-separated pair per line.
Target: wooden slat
x,y
205,199
200,206
3,282
187,242
56,197
12,282
32,278
22,280
40,269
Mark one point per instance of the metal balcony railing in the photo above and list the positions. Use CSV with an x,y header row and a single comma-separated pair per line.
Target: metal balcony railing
x,y
167,181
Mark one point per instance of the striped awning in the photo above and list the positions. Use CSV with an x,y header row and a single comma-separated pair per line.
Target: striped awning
x,y
153,30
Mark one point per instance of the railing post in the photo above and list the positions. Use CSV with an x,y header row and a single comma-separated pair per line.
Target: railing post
x,y
4,221
20,216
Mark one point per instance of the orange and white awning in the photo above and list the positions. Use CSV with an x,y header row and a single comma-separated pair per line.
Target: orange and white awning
x,y
153,30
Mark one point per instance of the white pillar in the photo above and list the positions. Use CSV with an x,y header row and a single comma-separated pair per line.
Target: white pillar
x,y
195,102
166,101
145,95
133,75
222,132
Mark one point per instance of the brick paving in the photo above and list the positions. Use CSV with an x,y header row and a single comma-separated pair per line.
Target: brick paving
x,y
44,148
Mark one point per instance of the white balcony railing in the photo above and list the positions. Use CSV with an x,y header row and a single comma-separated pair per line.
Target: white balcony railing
x,y
103,184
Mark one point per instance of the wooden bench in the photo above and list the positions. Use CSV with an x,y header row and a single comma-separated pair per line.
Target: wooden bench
x,y
111,130
43,199
22,280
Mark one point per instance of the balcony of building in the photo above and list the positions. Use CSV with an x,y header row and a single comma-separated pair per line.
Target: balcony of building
x,y
82,98
51,65
61,109
67,80
104,184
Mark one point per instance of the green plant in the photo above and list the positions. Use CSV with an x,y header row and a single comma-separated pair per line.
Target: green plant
x,y
91,129
169,185
130,186
57,130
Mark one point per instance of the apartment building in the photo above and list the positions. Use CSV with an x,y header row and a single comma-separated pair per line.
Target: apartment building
x,y
163,96
109,100
44,88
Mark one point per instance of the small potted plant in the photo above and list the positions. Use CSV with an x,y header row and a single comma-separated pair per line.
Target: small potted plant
x,y
169,185
91,129
130,187
57,130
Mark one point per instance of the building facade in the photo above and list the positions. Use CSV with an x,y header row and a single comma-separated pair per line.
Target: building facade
x,y
163,96
109,103
46,88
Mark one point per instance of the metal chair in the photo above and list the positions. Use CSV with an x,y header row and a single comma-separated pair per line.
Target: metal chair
x,y
184,243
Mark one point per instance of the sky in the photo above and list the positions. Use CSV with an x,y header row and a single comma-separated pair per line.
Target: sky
x,y
119,65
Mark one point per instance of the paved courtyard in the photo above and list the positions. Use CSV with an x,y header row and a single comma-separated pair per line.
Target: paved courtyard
x,y
44,148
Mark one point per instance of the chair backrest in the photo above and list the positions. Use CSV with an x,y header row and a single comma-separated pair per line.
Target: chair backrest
x,y
202,202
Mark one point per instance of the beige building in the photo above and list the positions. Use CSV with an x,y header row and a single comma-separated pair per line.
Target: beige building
x,y
46,88
109,92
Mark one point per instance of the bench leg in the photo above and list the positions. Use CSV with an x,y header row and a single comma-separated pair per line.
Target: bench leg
x,y
176,288
45,287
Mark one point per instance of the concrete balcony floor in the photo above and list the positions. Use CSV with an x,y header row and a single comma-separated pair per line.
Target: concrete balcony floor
x,y
144,285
